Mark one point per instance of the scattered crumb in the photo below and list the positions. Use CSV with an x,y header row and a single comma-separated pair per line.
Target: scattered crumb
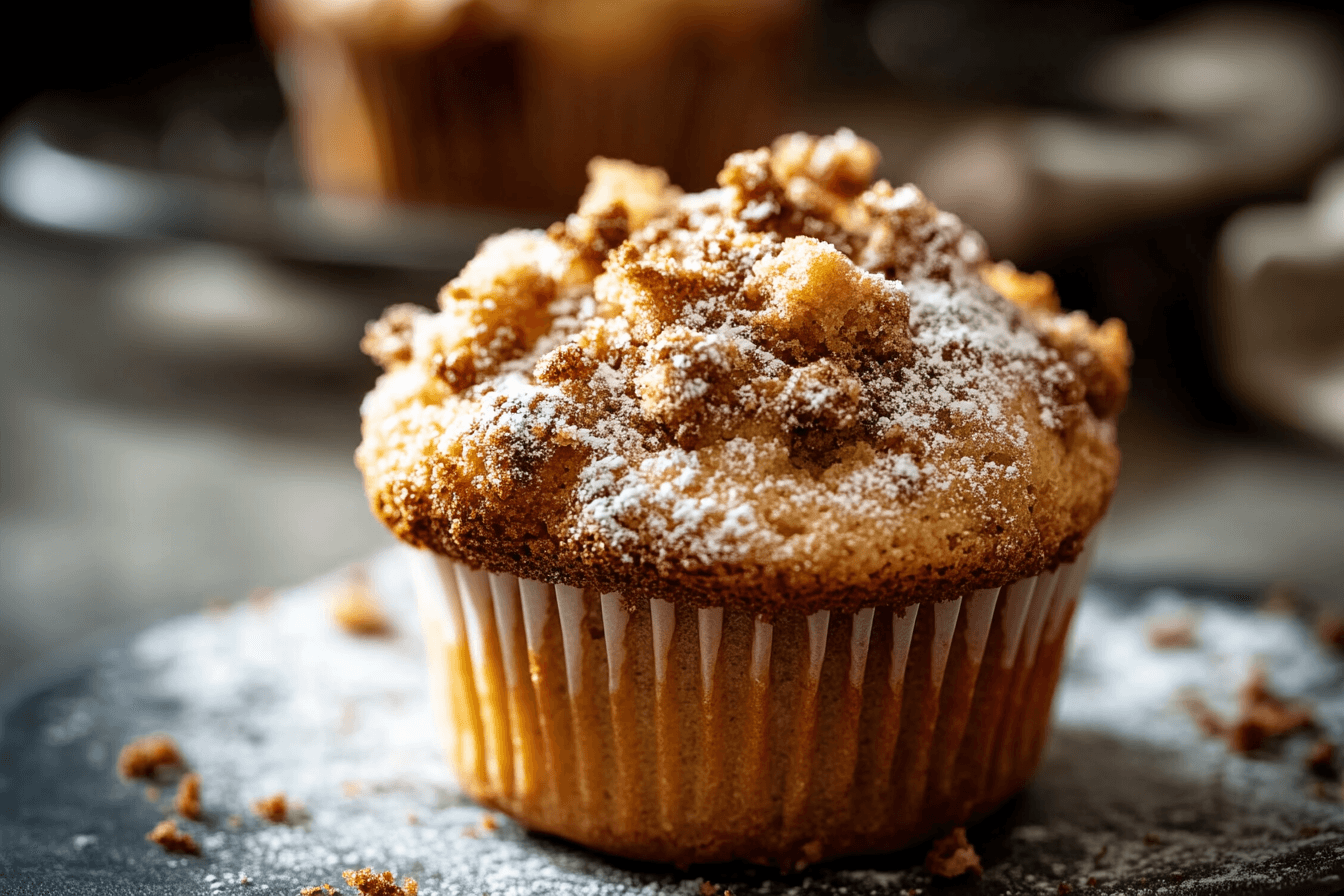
x,y
167,835
355,608
319,890
952,856
1172,632
187,802
1101,854
142,758
370,884
1321,759
469,833
1091,881
1330,629
152,793
489,822
216,607
1308,830
235,821
1177,876
244,880
1280,599
260,599
708,889
1151,839
351,789
412,818
273,808
1208,721
1064,888
1263,715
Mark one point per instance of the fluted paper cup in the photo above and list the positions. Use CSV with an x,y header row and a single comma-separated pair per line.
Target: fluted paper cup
x,y
669,733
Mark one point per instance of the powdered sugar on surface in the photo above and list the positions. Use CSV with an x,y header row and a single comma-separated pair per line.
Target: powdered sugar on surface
x,y
280,699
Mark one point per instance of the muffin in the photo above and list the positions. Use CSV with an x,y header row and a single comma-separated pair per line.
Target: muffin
x,y
749,523
501,102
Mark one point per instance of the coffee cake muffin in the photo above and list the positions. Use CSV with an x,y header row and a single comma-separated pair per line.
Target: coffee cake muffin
x,y
502,102
749,522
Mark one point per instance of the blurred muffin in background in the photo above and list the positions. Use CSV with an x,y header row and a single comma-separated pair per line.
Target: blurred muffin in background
x,y
502,102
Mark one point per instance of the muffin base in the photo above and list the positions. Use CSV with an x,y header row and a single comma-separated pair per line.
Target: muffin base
x,y
674,734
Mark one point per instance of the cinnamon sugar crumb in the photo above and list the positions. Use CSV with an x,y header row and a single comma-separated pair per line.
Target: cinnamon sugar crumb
x,y
187,801
152,794
274,808
1330,629
166,835
143,758
708,888
370,884
1321,759
1064,888
235,821
1263,715
489,822
356,609
1208,721
319,890
1172,632
953,856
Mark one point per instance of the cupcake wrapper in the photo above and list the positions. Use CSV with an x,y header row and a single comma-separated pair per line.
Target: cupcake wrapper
x,y
671,733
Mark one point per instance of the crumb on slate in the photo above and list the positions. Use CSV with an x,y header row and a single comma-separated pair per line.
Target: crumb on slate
x,y
355,608
187,801
1064,888
1280,599
319,890
1263,715
1172,632
166,835
953,856
1321,759
273,808
152,794
143,757
489,822
370,884
1330,629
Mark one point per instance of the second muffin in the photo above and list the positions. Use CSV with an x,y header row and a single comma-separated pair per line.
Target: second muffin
x,y
751,520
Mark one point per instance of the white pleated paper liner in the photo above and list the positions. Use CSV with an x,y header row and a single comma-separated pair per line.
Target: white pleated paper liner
x,y
671,733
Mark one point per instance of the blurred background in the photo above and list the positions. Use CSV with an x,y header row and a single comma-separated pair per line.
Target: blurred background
x,y
194,229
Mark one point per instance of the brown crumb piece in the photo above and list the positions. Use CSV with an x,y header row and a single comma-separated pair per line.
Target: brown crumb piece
x,y
1308,830
273,808
489,822
167,835
1172,632
152,793
319,890
260,599
1321,759
953,856
412,818
1091,881
1208,721
187,802
370,884
356,609
1280,599
1064,888
1151,839
1263,715
235,821
708,889
351,789
142,758
1330,629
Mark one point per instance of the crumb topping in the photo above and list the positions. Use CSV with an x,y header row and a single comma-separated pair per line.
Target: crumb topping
x,y
953,856
166,835
142,758
801,387
187,800
273,808
370,884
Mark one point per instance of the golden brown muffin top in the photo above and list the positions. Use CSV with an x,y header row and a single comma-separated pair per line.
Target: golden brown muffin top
x,y
796,391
